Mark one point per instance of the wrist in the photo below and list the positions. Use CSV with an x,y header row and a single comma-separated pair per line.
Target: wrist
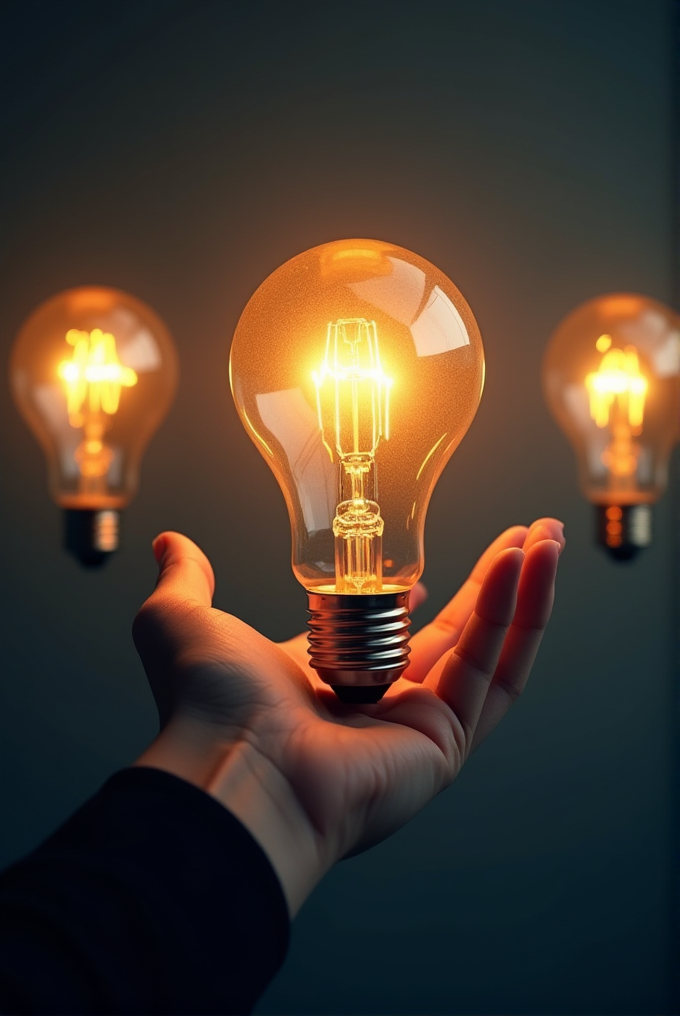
x,y
244,780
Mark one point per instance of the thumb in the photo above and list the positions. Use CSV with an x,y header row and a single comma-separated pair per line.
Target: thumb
x,y
185,572
185,581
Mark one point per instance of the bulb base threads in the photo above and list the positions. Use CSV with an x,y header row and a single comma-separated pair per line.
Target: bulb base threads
x,y
358,644
623,530
91,535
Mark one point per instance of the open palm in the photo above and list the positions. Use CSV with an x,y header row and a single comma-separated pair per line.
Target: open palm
x,y
350,775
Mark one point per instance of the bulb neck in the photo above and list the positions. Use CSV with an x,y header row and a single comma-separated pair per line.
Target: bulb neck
x,y
623,530
359,644
91,535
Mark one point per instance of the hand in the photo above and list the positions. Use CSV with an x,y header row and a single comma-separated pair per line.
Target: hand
x,y
312,779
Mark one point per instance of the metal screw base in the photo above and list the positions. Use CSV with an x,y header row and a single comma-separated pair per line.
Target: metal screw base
x,y
91,535
623,530
359,644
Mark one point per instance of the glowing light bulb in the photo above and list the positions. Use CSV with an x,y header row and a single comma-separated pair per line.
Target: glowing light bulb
x,y
356,368
611,380
93,372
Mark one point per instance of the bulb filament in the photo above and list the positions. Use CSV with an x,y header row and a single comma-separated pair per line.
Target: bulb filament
x,y
352,392
94,374
617,391
93,379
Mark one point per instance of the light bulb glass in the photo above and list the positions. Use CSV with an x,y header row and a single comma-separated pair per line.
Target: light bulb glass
x,y
356,368
611,380
93,372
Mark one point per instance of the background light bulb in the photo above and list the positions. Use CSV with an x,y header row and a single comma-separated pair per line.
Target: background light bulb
x,y
93,372
357,368
611,380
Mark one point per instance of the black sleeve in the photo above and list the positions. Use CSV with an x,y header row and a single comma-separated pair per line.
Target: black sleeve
x,y
152,898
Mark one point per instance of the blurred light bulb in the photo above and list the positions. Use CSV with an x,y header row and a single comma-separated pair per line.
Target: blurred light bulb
x,y
93,372
610,376
357,368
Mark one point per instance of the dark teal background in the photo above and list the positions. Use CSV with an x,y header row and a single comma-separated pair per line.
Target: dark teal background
x,y
182,151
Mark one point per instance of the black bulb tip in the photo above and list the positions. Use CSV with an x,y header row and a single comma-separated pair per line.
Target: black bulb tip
x,y
623,530
91,535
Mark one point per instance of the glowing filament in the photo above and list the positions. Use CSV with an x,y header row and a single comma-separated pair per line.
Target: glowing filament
x,y
352,381
617,388
352,393
94,376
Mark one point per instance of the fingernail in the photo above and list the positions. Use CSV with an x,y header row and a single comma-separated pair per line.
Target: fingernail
x,y
557,547
159,549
